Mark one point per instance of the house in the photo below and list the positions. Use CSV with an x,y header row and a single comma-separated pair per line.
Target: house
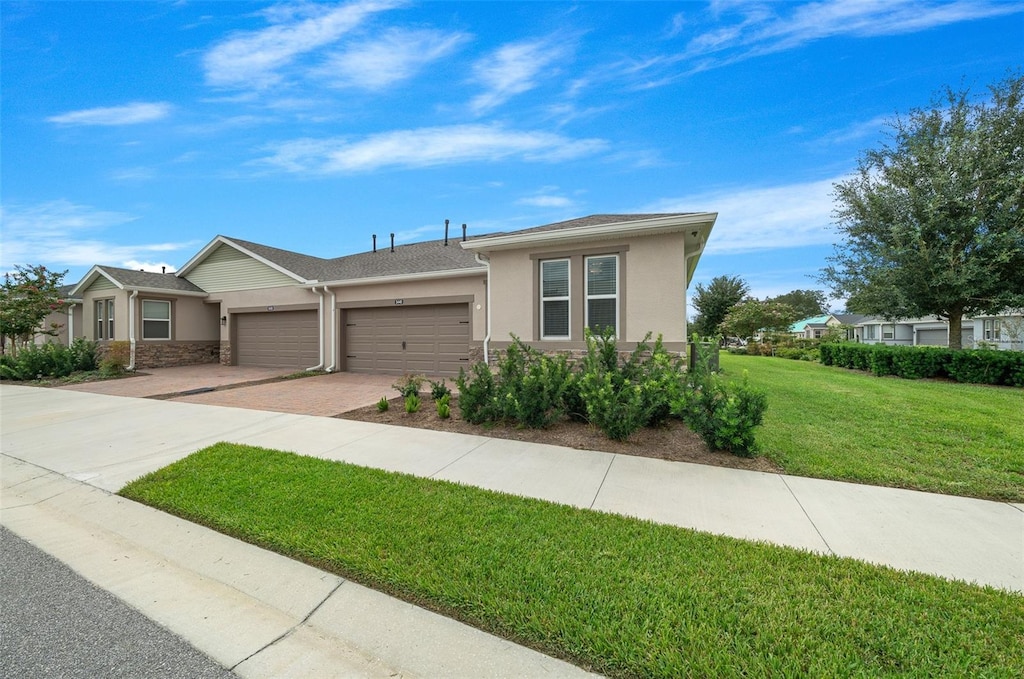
x,y
1002,331
817,327
428,307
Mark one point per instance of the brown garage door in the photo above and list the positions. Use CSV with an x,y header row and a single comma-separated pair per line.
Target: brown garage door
x,y
280,339
418,339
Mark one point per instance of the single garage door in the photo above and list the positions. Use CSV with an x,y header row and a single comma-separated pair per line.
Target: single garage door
x,y
935,338
279,339
431,339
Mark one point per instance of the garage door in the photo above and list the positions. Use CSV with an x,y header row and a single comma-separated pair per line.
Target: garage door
x,y
935,338
425,340
282,339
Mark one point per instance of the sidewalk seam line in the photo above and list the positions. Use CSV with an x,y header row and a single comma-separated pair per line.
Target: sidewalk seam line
x,y
291,630
460,457
603,479
801,506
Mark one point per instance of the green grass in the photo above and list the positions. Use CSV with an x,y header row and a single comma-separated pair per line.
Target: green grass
x,y
931,435
617,595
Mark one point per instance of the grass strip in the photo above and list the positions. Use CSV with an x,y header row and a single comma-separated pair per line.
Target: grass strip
x,y
930,435
618,595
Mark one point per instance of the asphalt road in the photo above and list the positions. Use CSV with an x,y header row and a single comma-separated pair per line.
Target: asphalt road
x,y
54,623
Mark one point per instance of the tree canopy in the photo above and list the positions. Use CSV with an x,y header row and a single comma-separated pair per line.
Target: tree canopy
x,y
751,316
713,302
28,295
932,223
806,303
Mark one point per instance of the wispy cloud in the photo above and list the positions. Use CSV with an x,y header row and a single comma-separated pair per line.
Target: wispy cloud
x,y
427,147
254,59
752,219
744,30
396,55
512,69
856,131
60,233
547,196
128,114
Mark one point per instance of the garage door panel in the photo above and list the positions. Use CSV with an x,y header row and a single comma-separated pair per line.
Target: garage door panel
x,y
285,339
436,339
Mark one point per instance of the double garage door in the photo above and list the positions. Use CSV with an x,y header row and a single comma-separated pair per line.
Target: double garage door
x,y
937,337
419,339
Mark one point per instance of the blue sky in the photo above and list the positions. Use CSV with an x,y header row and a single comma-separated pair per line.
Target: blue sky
x,y
135,132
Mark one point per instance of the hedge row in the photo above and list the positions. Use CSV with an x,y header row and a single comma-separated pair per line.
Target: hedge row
x,y
980,366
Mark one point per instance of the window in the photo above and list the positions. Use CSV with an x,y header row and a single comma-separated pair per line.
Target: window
x,y
991,328
554,299
104,319
602,293
887,334
870,332
156,320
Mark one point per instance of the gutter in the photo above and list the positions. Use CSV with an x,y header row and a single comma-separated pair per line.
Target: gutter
x,y
334,325
320,320
131,330
483,259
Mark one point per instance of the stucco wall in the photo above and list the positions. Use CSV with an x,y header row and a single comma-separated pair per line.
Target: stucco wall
x,y
652,289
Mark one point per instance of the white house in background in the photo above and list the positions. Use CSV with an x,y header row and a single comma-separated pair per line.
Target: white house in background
x,y
1005,331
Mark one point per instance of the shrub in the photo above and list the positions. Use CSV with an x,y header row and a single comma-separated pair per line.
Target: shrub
x,y
412,403
444,409
914,363
49,360
383,405
531,385
983,366
409,385
439,390
477,394
723,415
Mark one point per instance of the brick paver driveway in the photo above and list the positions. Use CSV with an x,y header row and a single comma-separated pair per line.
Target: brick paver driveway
x,y
244,387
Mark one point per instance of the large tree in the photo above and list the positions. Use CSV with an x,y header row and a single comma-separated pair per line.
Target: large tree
x,y
806,303
751,316
933,221
714,301
28,295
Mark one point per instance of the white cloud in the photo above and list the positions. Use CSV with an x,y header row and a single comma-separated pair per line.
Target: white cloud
x,y
752,219
129,114
857,131
155,267
253,59
513,69
427,147
547,196
762,31
396,55
60,233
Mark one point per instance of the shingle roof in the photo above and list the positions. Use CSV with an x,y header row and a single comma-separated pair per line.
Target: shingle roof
x,y
131,278
307,266
406,259
592,220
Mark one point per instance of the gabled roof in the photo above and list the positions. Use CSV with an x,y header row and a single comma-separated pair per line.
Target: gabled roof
x,y
302,268
849,319
415,258
800,326
143,281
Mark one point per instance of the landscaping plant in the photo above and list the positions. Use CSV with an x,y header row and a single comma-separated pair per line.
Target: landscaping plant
x,y
439,390
412,403
444,409
383,405
409,385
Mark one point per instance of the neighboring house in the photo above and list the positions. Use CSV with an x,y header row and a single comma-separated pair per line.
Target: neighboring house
x,y
427,308
914,332
817,327
65,322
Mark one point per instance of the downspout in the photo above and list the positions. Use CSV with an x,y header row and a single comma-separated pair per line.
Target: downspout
x,y
487,337
320,320
71,323
334,327
688,257
131,330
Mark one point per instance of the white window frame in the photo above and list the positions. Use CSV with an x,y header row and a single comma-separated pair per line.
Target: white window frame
x,y
566,298
142,313
991,329
104,321
586,290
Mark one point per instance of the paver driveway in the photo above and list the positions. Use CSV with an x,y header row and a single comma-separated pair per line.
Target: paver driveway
x,y
246,387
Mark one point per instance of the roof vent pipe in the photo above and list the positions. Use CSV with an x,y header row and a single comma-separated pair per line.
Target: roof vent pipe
x,y
375,242
446,233
463,233
163,269
392,242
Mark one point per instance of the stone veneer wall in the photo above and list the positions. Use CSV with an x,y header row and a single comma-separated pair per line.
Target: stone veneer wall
x,y
476,354
171,354
225,353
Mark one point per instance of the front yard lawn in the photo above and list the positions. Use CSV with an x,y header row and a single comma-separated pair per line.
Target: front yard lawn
x,y
930,435
618,595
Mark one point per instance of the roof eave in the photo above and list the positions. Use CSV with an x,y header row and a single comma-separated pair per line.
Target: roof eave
x,y
402,278
636,227
222,240
89,277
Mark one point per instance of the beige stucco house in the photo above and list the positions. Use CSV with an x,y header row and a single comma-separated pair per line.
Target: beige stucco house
x,y
428,307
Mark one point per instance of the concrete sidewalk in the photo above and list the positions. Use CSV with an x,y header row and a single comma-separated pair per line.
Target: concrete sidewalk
x,y
267,616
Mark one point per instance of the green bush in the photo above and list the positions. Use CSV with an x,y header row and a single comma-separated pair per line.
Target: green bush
x,y
979,366
438,390
49,360
983,366
477,394
412,403
443,404
531,385
383,405
409,385
914,363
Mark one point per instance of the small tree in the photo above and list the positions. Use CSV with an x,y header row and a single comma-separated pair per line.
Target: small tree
x,y
714,301
750,316
27,297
